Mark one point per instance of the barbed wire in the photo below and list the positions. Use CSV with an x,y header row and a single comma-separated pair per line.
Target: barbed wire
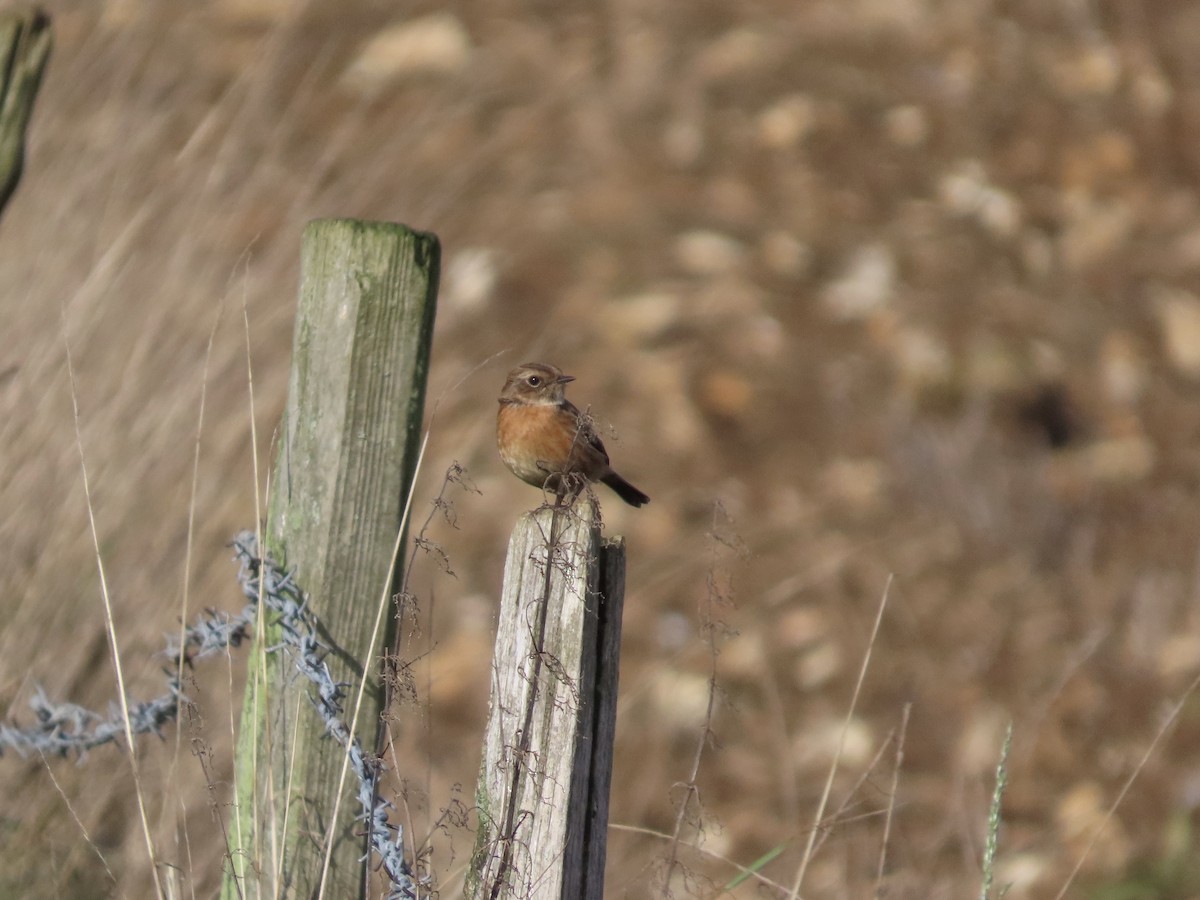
x,y
65,728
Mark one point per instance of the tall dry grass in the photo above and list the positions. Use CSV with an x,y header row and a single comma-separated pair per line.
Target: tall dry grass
x,y
907,287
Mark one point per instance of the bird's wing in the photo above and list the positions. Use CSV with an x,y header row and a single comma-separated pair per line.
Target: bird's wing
x,y
587,431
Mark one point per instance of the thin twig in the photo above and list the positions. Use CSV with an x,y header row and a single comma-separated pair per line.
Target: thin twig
x,y
87,838
887,822
744,870
836,817
706,730
1166,726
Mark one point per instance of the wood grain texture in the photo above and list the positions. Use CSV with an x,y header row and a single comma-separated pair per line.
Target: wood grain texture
x,y
547,761
347,453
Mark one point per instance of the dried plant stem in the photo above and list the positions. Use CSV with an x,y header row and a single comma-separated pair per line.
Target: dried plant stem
x,y
1162,731
891,807
181,659
110,627
691,789
836,816
259,667
385,598
745,871
87,838
837,757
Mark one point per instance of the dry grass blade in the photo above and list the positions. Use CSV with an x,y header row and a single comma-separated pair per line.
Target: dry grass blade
x,y
898,422
385,598
1161,733
836,817
745,872
109,625
891,807
87,838
187,555
837,757
259,668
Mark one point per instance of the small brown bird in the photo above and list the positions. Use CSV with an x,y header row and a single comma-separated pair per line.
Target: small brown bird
x,y
545,440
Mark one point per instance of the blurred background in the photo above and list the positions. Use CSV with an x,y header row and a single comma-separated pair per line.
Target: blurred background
x,y
862,292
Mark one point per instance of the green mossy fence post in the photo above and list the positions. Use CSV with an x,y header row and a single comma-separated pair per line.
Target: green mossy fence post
x,y
542,796
25,39
347,452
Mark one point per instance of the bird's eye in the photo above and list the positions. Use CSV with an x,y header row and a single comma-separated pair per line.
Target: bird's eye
x,y
534,380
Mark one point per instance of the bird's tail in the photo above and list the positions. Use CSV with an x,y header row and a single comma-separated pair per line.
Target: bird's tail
x,y
625,490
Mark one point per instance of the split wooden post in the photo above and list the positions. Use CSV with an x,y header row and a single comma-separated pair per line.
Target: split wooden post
x,y
347,454
547,761
25,38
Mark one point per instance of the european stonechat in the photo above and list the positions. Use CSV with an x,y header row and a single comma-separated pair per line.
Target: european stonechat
x,y
547,442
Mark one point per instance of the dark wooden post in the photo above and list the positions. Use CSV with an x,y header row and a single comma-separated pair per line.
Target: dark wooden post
x,y
547,761
347,452
25,38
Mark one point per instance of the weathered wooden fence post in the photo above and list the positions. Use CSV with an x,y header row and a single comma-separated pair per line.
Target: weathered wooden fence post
x,y
547,762
347,452
25,38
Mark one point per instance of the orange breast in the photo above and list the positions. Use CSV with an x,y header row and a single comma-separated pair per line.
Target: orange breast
x,y
534,441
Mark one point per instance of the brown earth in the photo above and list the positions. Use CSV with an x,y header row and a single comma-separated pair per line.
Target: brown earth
x,y
891,296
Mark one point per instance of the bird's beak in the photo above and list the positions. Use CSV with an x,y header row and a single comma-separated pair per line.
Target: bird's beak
x,y
563,379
